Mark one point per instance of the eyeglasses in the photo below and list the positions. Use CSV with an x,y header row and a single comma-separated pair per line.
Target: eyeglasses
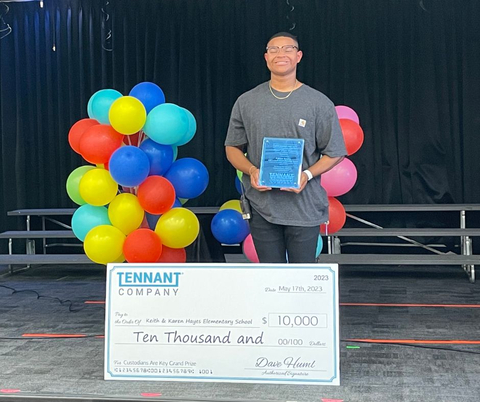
x,y
285,48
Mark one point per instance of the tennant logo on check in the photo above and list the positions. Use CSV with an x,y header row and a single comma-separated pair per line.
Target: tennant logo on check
x,y
148,283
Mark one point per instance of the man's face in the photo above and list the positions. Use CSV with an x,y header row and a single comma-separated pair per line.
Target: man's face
x,y
283,63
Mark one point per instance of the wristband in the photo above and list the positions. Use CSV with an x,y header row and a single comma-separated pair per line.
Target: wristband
x,y
250,171
309,174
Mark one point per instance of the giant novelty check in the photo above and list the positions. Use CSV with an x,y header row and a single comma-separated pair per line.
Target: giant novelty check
x,y
256,323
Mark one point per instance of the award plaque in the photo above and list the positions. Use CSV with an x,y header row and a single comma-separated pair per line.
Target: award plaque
x,y
281,163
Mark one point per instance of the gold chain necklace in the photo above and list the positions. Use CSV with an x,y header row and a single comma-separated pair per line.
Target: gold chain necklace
x,y
280,97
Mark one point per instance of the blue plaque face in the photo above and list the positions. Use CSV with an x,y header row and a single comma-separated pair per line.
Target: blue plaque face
x,y
281,163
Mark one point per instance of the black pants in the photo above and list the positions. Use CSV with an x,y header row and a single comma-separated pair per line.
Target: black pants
x,y
273,242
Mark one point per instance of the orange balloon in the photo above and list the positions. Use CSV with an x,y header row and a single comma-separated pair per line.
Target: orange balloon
x,y
352,135
142,245
336,217
156,195
99,142
77,131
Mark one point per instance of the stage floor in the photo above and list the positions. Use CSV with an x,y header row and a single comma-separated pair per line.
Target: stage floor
x,y
382,303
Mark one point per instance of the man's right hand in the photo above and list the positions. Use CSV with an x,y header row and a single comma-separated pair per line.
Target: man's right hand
x,y
254,176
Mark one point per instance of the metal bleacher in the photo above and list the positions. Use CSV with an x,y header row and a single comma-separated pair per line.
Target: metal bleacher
x,y
465,257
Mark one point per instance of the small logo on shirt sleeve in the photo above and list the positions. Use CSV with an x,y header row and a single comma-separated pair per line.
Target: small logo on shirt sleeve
x,y
302,123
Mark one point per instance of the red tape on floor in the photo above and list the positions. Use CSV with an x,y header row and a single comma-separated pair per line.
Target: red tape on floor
x,y
411,305
417,341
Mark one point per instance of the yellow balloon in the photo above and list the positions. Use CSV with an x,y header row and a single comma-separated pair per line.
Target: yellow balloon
x,y
125,213
232,204
97,187
104,244
178,228
120,259
127,115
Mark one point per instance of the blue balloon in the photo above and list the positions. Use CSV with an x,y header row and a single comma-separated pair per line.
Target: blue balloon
x,y
149,94
99,104
167,124
129,166
228,227
175,152
319,246
192,129
86,218
189,176
238,185
160,156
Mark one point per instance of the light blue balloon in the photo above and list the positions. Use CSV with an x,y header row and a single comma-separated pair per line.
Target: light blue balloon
x,y
89,107
175,152
100,103
86,218
319,246
192,129
167,124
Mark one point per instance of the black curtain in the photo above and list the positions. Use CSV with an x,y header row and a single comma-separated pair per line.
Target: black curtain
x,y
409,68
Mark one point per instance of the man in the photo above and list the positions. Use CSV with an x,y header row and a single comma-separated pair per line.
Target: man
x,y
285,220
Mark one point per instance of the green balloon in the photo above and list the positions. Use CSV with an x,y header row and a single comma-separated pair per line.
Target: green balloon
x,y
73,184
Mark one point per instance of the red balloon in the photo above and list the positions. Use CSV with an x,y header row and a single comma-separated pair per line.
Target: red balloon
x,y
142,245
99,142
178,255
352,135
336,217
156,195
77,131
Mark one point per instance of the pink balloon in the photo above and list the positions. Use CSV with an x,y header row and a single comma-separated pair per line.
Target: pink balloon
x,y
340,179
249,249
345,112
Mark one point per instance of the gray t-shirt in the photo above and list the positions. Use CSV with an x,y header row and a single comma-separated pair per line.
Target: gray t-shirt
x,y
307,114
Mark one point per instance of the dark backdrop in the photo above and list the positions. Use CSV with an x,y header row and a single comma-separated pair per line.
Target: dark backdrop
x,y
411,70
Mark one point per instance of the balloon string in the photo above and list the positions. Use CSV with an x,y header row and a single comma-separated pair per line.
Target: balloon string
x,y
140,137
129,140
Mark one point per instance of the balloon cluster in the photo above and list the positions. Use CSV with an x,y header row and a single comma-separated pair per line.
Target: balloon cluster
x,y
342,177
131,196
